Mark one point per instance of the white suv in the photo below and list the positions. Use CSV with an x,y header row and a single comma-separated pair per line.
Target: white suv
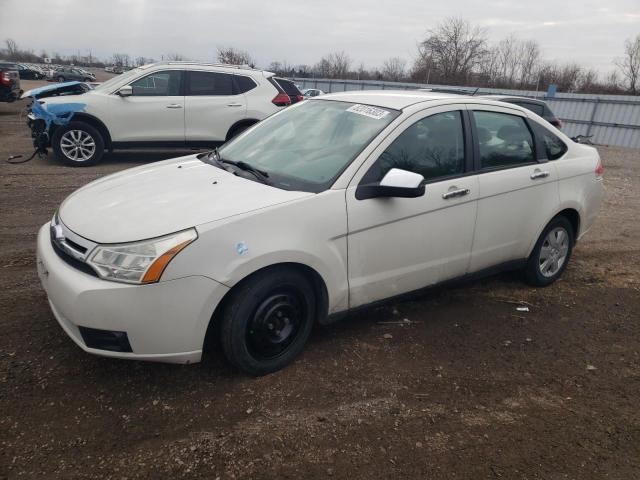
x,y
337,202
174,104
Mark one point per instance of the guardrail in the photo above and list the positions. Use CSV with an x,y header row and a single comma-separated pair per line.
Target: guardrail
x,y
611,119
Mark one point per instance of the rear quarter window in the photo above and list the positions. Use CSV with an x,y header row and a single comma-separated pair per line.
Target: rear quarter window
x,y
244,84
554,147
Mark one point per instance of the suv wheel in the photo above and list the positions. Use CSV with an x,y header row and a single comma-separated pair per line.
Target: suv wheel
x,y
61,78
78,144
551,253
268,320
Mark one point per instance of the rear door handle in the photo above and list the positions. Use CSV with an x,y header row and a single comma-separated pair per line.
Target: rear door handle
x,y
174,105
539,174
455,193
234,105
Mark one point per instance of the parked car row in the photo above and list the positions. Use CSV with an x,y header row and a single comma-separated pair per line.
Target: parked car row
x,y
332,204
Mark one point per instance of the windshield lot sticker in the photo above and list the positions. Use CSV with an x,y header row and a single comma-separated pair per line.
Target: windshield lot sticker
x,y
367,111
241,248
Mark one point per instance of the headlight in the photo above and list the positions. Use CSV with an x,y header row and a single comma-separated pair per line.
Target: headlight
x,y
139,262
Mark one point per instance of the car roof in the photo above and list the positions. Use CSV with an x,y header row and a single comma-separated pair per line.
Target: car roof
x,y
241,68
512,97
395,99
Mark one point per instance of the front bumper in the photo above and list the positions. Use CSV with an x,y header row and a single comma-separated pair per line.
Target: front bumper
x,y
164,322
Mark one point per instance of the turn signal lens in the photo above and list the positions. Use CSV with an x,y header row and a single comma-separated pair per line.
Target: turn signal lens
x,y
154,272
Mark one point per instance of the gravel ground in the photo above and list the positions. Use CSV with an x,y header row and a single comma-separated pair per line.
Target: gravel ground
x,y
471,388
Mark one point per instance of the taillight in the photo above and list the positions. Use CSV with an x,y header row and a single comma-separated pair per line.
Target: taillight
x,y
281,100
559,126
599,168
300,97
5,79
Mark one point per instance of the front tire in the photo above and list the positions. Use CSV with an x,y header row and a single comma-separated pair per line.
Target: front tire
x,y
268,320
551,253
78,144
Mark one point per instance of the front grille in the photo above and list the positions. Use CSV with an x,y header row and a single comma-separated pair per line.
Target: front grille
x,y
105,339
73,262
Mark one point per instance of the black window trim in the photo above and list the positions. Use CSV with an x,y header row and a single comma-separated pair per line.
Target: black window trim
x,y
467,140
476,144
182,83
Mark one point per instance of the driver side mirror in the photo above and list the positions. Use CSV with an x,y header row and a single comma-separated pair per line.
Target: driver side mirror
x,y
125,91
396,183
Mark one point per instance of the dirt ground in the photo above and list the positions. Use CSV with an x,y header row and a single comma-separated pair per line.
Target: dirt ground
x,y
470,389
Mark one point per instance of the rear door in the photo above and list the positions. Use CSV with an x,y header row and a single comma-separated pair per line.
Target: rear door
x,y
518,193
213,105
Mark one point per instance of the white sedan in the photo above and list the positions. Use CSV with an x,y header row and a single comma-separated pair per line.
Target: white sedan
x,y
330,205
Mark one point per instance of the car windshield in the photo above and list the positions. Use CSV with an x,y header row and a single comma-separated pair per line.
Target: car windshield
x,y
123,77
307,146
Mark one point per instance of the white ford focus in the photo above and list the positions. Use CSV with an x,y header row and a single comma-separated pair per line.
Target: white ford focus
x,y
335,203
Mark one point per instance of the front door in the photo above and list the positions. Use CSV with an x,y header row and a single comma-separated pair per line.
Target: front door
x,y
396,245
154,113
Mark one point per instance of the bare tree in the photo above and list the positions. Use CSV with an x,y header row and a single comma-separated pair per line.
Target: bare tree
x,y
393,69
120,59
529,54
334,65
176,57
454,49
629,65
234,56
12,49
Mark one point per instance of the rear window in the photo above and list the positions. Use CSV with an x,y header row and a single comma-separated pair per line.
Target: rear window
x,y
210,83
288,87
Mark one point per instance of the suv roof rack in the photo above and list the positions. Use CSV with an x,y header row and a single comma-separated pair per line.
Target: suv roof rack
x,y
209,64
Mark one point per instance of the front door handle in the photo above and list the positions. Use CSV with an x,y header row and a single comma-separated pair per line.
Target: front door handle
x,y
539,174
234,105
174,105
455,193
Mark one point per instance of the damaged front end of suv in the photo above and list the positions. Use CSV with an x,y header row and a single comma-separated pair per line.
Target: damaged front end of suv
x,y
43,117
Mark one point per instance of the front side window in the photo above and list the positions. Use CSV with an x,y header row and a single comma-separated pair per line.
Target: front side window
x,y
504,140
307,146
432,147
158,84
210,83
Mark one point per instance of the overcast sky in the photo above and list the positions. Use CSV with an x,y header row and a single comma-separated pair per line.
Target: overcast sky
x,y
589,32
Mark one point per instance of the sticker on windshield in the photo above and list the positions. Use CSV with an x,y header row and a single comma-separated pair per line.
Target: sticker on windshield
x,y
368,111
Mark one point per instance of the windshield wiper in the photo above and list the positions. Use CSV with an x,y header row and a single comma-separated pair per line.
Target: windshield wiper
x,y
259,174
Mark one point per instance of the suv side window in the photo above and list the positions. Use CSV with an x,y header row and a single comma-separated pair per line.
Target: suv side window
x,y
504,140
244,84
158,84
210,83
553,146
432,147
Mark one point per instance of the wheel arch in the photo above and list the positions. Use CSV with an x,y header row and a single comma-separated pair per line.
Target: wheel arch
x,y
319,287
245,122
95,123
571,213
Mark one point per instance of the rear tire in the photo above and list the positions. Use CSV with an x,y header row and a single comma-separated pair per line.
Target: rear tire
x,y
61,79
551,254
78,144
237,130
268,320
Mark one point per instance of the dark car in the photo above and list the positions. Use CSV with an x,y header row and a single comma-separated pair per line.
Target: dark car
x,y
66,74
25,72
539,107
9,84
295,95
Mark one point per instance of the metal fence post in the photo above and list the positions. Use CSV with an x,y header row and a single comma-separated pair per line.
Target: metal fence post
x,y
593,115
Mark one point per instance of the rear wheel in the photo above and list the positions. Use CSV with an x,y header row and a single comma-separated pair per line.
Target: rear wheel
x,y
268,320
237,130
551,253
78,144
61,78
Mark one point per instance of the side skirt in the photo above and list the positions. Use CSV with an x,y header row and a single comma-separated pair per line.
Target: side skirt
x,y
503,267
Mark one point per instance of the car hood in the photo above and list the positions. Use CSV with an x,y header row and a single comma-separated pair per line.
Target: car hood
x,y
163,198
66,88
